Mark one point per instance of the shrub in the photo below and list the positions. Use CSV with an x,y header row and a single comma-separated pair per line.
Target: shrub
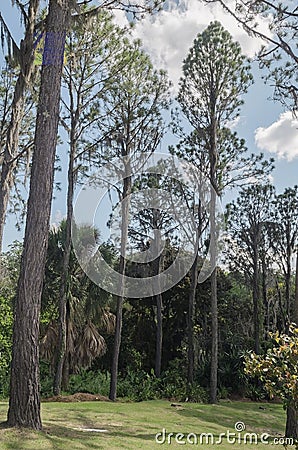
x,y
89,381
138,386
6,321
46,379
135,385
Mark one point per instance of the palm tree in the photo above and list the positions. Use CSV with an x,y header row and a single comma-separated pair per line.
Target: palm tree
x,y
87,310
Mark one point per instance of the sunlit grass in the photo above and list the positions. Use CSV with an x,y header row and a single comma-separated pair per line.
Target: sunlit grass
x,y
134,425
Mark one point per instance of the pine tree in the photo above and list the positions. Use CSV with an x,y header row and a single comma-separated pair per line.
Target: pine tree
x,y
215,75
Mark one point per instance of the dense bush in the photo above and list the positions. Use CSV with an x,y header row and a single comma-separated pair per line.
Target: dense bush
x,y
6,320
91,382
175,386
138,386
46,379
134,385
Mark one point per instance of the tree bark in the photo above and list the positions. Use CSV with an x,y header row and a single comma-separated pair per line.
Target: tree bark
x,y
266,303
156,223
213,237
60,371
255,294
295,312
292,423
62,319
24,402
214,308
292,417
191,320
214,338
120,299
288,285
17,112
159,336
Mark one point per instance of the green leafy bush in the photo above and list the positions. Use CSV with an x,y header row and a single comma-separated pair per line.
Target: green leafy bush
x,y
278,368
134,385
139,385
255,391
174,385
6,321
46,379
91,382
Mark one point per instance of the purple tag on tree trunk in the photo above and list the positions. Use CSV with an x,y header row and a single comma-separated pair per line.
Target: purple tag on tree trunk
x,y
53,49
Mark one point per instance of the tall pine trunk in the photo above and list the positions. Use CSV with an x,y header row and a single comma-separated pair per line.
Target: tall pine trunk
x,y
213,157
191,366
266,303
159,321
214,308
17,111
255,295
24,402
288,285
159,335
191,320
159,307
120,299
295,312
62,319
292,416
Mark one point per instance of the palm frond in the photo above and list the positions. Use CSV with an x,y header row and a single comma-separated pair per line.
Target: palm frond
x,y
48,343
90,345
108,321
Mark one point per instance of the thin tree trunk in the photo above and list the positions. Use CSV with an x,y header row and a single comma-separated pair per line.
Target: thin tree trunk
x,y
158,298
213,236
292,423
281,307
66,365
159,336
65,371
295,312
191,320
214,338
288,288
256,312
17,111
265,299
214,308
256,294
192,302
292,416
62,325
24,402
117,341
122,264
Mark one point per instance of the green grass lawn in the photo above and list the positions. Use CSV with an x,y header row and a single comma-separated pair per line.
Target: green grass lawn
x,y
134,425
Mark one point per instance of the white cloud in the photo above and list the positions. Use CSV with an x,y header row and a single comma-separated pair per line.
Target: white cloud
x,y
168,35
281,137
120,18
233,123
57,219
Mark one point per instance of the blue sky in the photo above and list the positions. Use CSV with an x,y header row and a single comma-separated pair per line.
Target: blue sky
x,y
265,125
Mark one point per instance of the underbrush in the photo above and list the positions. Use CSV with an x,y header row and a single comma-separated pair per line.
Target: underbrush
x,y
138,385
134,386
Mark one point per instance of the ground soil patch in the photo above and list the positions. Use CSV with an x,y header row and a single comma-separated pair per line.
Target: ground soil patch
x,y
78,397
